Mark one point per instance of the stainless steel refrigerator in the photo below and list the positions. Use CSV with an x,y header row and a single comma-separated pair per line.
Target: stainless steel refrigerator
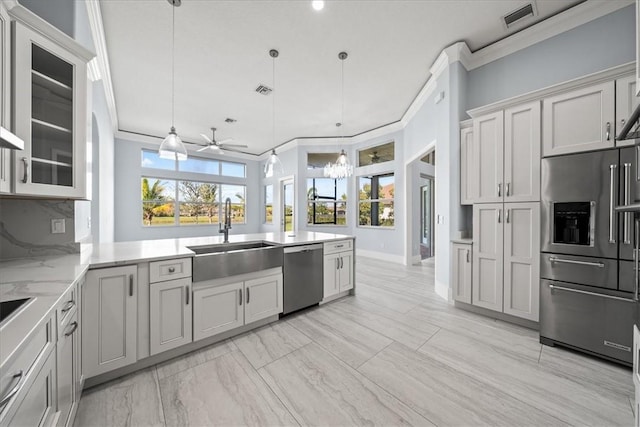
x,y
589,287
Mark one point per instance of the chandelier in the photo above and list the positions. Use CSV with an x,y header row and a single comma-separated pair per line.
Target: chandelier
x,y
341,168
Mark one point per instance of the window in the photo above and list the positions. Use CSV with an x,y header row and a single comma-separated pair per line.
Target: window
x,y
326,201
268,204
375,204
170,199
430,158
378,154
319,160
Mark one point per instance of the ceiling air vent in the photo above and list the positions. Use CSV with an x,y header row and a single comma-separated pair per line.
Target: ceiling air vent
x,y
230,120
264,90
519,15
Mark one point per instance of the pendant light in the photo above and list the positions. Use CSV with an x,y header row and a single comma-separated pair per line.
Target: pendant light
x,y
273,166
341,168
172,146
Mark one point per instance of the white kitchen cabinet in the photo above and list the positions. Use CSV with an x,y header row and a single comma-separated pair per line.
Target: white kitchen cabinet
x,y
522,260
626,102
461,271
488,155
579,120
337,267
263,298
488,232
5,101
506,257
110,310
50,115
467,167
170,314
636,373
217,309
522,153
67,358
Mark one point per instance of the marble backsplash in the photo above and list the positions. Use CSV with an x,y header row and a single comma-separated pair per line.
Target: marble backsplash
x,y
25,228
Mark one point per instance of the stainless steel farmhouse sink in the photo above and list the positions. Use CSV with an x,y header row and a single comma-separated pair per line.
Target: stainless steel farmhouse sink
x,y
231,259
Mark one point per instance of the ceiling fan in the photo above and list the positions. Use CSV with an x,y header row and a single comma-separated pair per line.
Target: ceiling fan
x,y
214,145
374,157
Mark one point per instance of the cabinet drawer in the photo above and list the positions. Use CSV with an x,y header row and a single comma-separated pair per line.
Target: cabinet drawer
x,y
333,247
66,308
170,269
17,371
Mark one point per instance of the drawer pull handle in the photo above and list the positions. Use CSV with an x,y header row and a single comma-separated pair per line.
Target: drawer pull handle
x,y
578,291
248,295
131,285
19,376
172,269
25,176
240,299
74,326
608,131
187,294
68,306
339,246
571,261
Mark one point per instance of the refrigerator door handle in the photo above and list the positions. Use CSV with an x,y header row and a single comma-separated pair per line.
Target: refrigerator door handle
x,y
612,203
626,224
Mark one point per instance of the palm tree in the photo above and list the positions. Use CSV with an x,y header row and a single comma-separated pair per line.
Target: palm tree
x,y
152,199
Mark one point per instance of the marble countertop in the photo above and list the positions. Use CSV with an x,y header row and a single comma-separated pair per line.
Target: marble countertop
x,y
47,279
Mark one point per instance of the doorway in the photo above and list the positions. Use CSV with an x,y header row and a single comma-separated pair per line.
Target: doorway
x,y
427,203
287,206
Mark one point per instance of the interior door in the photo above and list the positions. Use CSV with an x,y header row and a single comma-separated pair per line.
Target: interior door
x,y
488,230
287,205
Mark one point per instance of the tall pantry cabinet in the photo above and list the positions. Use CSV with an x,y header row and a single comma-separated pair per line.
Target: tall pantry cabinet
x,y
504,179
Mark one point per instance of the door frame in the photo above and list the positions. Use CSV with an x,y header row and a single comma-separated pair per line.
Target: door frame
x,y
432,240
290,179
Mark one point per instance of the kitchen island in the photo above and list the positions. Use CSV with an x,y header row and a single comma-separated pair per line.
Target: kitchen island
x,y
119,329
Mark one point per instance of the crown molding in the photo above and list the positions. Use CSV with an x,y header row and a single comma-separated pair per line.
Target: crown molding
x,y
102,57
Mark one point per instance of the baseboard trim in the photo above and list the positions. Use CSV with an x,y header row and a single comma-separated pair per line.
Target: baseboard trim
x,y
398,259
496,315
443,291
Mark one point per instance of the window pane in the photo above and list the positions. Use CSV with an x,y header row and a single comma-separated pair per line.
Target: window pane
x,y
237,195
234,169
151,159
199,165
378,154
157,202
385,214
364,213
268,206
319,160
198,213
386,187
364,187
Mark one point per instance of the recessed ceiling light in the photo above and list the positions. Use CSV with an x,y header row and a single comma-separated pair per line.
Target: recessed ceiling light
x,y
317,4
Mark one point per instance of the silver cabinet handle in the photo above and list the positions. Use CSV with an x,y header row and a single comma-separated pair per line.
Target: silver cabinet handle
x,y
131,285
187,295
341,263
626,224
499,213
68,306
25,175
337,264
74,326
19,377
468,260
572,261
507,215
612,203
339,246
508,189
240,290
608,131
248,295
578,291
499,189
172,269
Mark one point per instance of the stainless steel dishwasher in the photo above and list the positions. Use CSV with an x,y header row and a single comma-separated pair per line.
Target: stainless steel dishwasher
x,y
303,277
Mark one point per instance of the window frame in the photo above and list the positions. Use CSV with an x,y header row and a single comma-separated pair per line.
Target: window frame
x,y
326,199
266,204
376,201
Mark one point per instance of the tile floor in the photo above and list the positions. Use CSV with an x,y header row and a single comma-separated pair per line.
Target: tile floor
x,y
394,354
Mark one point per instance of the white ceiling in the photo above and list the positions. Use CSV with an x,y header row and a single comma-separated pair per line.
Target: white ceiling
x,y
222,56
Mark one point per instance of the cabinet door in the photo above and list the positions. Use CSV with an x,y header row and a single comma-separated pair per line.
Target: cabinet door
x,y
263,298
488,157
636,357
38,407
170,315
5,99
330,275
50,115
110,319
522,260
345,271
580,120
467,173
217,309
487,282
626,102
461,272
522,153
67,361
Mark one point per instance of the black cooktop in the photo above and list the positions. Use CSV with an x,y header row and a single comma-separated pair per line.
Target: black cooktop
x,y
8,307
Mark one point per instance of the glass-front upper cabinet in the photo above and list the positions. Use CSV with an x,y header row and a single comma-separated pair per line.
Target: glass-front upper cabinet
x,y
50,114
5,97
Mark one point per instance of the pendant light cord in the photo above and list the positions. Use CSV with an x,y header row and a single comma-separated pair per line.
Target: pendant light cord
x,y
173,65
342,114
273,102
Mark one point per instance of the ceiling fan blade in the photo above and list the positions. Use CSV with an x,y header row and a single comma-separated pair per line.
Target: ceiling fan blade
x,y
206,138
224,141
202,149
235,145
